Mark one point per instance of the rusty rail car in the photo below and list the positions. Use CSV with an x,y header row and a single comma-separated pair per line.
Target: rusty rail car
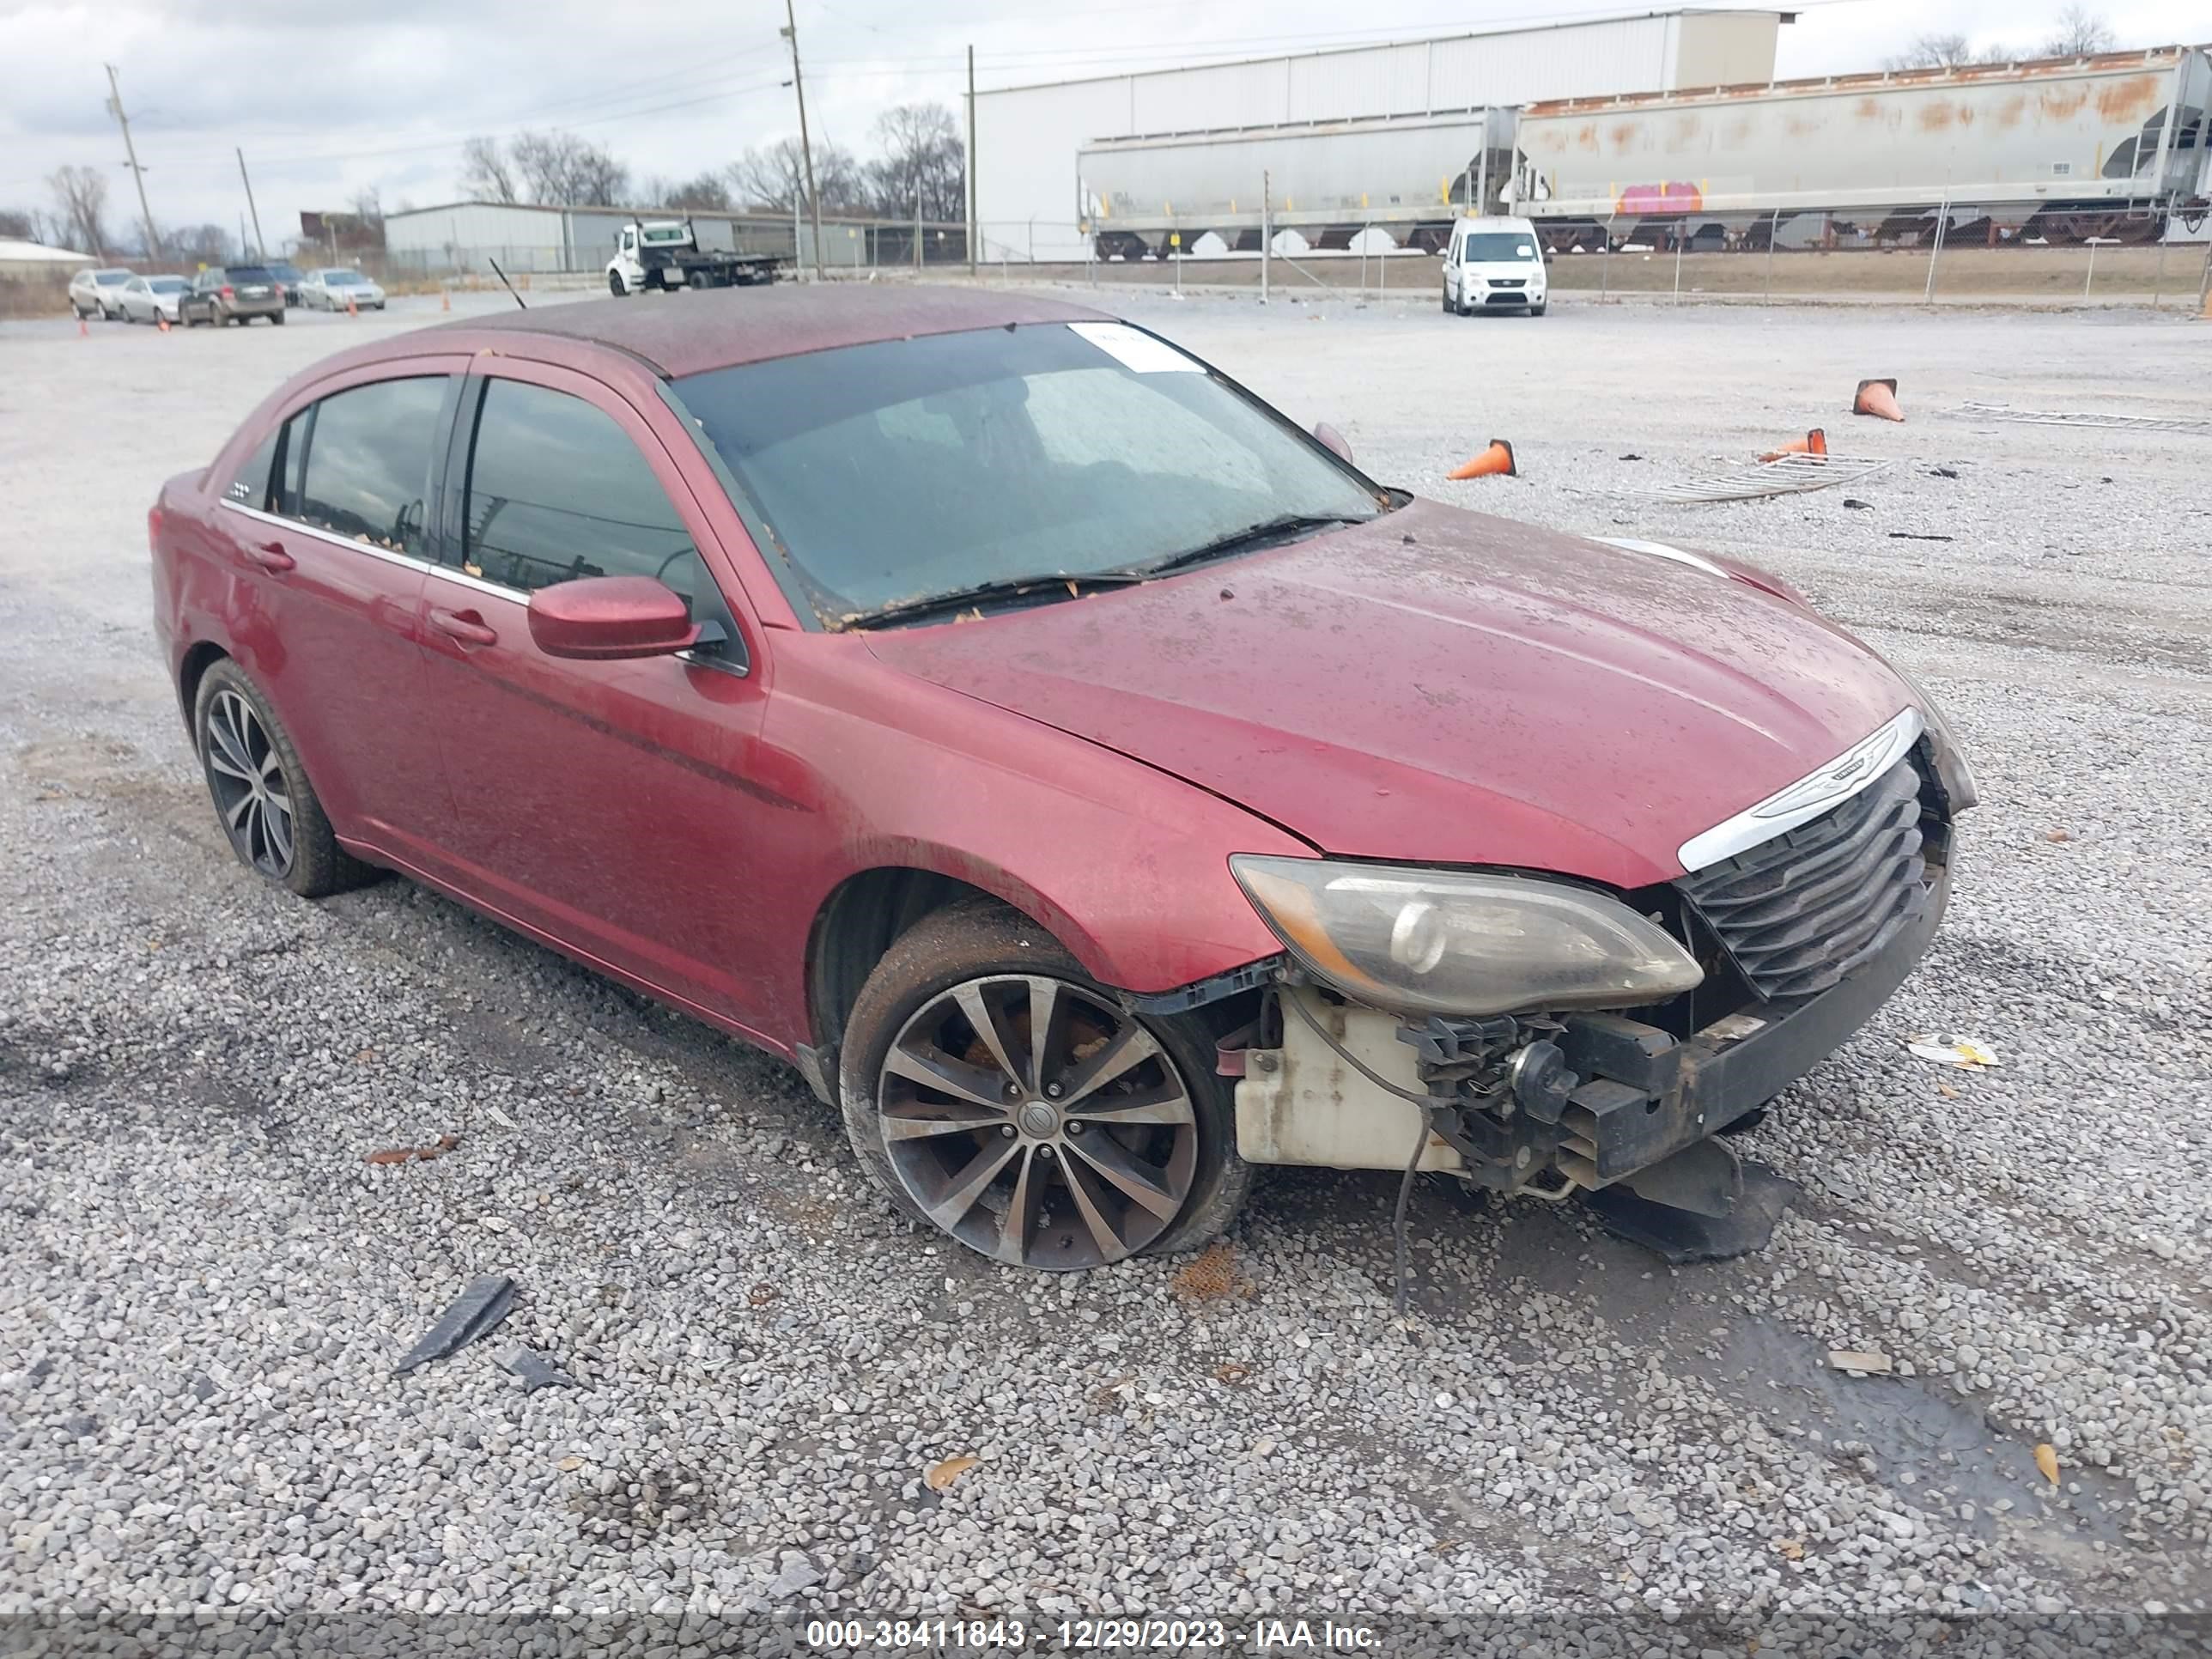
x,y
2115,146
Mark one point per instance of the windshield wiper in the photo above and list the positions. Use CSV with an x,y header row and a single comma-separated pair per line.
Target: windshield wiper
x,y
982,593
1280,528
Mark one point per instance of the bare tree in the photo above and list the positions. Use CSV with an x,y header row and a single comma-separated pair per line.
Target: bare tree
x,y
2080,33
19,225
486,175
561,170
81,203
1951,51
193,246
368,214
921,153
774,178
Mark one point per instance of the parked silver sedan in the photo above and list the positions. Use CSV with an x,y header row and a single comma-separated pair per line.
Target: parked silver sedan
x,y
153,299
336,287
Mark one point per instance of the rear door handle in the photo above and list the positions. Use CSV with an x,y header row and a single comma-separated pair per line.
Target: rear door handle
x,y
270,555
464,625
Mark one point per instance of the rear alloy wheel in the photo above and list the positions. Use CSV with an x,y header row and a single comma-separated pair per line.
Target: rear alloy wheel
x,y
996,1090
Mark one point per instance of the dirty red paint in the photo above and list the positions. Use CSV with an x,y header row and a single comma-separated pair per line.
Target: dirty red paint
x,y
1466,689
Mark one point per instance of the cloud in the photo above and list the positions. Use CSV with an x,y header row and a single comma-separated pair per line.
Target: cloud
x,y
325,104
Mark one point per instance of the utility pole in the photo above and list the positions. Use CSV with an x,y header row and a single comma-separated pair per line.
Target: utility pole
x,y
137,172
973,197
259,247
805,144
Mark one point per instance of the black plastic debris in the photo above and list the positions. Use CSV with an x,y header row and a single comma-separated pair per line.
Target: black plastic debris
x,y
1943,472
536,1371
1631,456
474,1312
1857,505
1682,1235
1915,536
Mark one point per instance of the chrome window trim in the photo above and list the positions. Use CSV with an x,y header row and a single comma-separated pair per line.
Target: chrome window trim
x,y
429,566
1824,787
300,527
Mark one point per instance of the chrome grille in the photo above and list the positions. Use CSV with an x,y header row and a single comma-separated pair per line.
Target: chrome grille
x,y
1803,911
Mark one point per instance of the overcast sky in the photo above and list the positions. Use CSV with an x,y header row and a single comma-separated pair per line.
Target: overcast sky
x,y
323,106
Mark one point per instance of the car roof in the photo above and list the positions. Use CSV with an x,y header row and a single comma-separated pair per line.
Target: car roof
x,y
688,333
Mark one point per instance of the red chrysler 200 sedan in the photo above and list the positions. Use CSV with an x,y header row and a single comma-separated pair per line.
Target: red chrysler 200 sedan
x,y
1095,784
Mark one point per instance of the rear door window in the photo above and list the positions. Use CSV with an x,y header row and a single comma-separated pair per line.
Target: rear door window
x,y
357,464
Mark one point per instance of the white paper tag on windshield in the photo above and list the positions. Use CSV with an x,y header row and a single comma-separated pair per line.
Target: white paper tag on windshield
x,y
1134,349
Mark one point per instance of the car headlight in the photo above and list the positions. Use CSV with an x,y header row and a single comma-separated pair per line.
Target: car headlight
x,y
1432,941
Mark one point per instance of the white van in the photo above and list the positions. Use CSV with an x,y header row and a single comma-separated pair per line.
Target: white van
x,y
1493,264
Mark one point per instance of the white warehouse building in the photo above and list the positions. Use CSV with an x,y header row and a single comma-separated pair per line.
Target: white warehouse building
x,y
1032,200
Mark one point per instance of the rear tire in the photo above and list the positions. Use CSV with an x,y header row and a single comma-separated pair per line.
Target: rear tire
x,y
277,318
1175,1135
278,830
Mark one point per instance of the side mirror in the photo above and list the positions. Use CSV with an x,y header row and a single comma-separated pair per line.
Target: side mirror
x,y
1333,441
603,618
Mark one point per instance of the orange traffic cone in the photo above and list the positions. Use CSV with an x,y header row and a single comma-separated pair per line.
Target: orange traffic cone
x,y
1497,459
1814,442
162,322
82,332
1877,398
445,298
351,312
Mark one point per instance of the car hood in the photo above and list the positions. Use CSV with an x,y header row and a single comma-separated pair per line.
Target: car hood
x,y
1439,686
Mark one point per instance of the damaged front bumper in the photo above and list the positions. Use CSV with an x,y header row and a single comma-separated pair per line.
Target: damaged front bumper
x,y
1545,1106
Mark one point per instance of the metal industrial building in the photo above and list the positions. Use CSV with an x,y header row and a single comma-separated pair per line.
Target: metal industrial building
x,y
1031,201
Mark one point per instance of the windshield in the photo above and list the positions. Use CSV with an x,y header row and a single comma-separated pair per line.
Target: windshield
x,y
337,278
110,278
897,471
1500,245
167,284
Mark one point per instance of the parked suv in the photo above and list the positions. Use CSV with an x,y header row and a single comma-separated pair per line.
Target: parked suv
x,y
98,292
237,293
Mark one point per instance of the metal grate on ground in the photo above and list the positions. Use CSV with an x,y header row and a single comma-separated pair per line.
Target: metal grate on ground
x,y
2090,421
1791,475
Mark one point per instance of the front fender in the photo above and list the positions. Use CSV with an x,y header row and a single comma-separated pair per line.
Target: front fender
x,y
1125,866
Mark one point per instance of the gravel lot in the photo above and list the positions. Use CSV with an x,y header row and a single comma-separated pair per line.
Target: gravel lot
x,y
202,1286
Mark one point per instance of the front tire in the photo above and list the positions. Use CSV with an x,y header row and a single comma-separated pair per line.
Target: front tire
x,y
1112,1137
616,286
1538,310
268,809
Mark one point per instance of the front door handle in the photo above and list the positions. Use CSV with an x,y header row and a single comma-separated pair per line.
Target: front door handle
x,y
464,625
270,555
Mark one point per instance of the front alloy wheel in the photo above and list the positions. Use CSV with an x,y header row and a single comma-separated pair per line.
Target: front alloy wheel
x,y
1038,1123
